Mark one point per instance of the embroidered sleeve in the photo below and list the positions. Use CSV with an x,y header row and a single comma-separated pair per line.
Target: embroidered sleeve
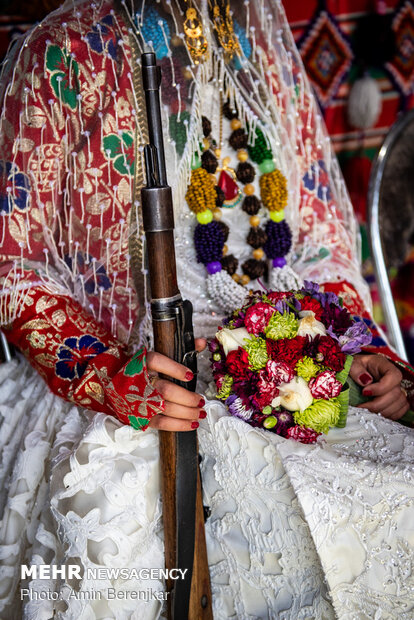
x,y
81,361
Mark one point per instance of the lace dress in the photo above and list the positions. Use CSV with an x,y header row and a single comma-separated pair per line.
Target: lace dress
x,y
289,522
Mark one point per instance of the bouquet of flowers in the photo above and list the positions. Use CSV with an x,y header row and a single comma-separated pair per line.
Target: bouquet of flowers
x,y
282,360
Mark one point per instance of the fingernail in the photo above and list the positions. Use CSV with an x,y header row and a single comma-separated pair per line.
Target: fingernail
x,y
203,414
189,375
365,378
201,403
367,392
194,425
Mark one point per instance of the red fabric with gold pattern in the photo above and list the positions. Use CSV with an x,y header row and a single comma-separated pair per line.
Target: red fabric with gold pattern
x,y
81,361
347,292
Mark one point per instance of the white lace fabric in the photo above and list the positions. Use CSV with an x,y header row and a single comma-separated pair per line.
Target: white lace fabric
x,y
289,522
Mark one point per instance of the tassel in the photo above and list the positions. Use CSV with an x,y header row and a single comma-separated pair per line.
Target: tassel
x,y
225,291
284,279
364,103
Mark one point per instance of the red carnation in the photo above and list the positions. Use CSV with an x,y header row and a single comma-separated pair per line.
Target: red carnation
x,y
257,317
266,389
308,303
279,372
237,362
302,434
330,354
288,350
325,385
275,296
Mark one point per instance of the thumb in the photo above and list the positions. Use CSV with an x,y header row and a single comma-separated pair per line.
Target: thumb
x,y
200,344
359,373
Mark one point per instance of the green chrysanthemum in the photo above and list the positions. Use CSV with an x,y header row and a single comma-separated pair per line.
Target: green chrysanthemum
x,y
321,415
224,391
257,352
282,326
307,368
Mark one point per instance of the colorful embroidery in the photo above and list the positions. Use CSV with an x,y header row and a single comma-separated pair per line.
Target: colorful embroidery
x,y
155,29
14,188
327,55
317,175
102,38
135,366
64,75
93,279
82,362
401,66
121,150
74,355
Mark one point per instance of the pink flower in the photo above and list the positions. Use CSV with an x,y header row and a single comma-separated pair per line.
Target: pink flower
x,y
267,390
279,372
302,434
325,385
270,377
257,317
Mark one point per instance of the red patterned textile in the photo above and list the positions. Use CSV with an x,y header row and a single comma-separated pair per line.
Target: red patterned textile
x,y
81,361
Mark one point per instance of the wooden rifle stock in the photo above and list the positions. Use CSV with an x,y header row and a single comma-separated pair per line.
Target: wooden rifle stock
x,y
183,514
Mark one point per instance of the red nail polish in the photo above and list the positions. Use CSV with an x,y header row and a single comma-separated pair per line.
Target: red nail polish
x,y
189,375
367,393
365,378
201,403
194,425
203,414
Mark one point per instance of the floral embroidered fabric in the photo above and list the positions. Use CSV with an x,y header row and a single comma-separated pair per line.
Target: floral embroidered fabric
x,y
81,361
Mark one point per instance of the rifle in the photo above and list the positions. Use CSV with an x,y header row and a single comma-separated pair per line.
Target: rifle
x,y
183,515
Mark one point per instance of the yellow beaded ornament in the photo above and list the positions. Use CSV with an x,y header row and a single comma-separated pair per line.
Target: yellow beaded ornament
x,y
273,190
201,193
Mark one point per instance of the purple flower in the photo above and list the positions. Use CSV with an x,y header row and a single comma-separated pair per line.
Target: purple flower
x,y
281,306
238,409
310,287
213,346
329,298
354,338
284,421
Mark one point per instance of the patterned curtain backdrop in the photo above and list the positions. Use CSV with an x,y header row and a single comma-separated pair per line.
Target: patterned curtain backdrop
x,y
346,45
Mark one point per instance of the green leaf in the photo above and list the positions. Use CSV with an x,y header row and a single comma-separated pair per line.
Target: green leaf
x,y
343,375
356,396
65,94
137,423
343,400
54,58
135,366
121,165
112,143
127,138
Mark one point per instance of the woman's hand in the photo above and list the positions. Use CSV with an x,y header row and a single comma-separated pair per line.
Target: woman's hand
x,y
381,380
182,408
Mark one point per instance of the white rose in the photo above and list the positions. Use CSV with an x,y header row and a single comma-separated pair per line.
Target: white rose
x,y
309,326
232,339
295,395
